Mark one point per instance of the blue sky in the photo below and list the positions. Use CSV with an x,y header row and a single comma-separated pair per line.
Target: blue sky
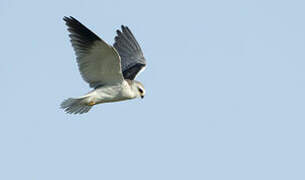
x,y
224,92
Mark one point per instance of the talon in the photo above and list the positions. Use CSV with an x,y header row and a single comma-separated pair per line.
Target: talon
x,y
91,103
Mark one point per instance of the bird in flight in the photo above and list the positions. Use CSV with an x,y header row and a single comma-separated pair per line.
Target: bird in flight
x,y
109,70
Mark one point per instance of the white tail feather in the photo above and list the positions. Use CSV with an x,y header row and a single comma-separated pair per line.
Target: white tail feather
x,y
75,106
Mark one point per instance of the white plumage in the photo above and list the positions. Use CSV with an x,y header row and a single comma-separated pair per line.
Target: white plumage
x,y
100,66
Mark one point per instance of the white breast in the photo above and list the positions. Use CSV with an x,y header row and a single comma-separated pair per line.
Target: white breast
x,y
112,93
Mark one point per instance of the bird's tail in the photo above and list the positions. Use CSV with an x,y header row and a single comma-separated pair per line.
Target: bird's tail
x,y
75,105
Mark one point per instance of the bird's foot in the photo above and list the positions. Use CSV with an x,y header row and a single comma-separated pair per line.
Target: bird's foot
x,y
91,103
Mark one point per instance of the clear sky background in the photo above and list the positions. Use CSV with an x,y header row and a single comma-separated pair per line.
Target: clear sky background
x,y
224,82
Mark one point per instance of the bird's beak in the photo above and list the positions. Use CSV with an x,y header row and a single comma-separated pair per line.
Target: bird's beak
x,y
142,96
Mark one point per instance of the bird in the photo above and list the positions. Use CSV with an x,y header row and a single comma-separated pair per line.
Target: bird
x,y
109,70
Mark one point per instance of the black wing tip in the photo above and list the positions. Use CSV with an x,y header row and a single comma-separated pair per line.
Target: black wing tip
x,y
70,21
124,28
80,32
67,19
133,71
118,32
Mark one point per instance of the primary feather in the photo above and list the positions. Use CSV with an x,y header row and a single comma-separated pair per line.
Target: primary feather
x,y
109,70
98,62
132,58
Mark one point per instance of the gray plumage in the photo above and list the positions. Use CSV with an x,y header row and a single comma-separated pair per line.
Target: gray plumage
x,y
75,106
110,70
92,55
132,59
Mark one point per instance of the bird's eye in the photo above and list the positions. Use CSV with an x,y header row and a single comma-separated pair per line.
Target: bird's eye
x,y
141,91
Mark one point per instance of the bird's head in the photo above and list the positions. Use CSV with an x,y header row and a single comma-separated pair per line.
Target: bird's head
x,y
139,88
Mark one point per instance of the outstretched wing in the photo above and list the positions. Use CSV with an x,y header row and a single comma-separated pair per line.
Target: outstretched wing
x,y
132,58
98,62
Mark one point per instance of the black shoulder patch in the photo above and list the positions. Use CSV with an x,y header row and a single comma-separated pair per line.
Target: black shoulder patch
x,y
131,72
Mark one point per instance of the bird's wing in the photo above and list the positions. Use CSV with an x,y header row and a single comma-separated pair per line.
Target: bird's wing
x,y
132,58
98,62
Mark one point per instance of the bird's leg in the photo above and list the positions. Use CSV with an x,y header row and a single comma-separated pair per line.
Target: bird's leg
x,y
91,103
